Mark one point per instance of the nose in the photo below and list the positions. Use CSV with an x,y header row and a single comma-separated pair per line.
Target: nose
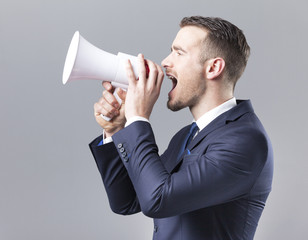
x,y
166,62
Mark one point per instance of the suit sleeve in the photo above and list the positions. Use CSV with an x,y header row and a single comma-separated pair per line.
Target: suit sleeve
x,y
225,171
120,191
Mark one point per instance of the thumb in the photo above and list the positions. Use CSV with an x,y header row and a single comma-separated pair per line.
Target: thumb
x,y
122,94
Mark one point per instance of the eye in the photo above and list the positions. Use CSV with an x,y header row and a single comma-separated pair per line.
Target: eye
x,y
178,53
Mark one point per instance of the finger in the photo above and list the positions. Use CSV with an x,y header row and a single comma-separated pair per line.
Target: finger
x,y
105,109
108,86
121,94
160,76
141,67
110,98
153,73
130,73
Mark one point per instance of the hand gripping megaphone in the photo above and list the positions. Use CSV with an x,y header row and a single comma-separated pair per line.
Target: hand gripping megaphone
x,y
85,61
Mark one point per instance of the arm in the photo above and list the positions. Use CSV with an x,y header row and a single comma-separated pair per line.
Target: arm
x,y
121,194
224,172
119,189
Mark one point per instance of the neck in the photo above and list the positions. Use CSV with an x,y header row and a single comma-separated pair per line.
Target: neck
x,y
208,101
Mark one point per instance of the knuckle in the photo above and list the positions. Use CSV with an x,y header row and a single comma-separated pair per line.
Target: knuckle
x,y
105,93
96,106
108,114
113,103
151,89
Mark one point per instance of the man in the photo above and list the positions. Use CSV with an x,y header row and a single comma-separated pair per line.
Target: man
x,y
215,188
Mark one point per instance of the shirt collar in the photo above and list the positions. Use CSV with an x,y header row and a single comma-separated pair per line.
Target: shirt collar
x,y
209,116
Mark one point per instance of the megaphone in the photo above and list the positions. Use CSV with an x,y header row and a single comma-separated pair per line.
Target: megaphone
x,y
85,61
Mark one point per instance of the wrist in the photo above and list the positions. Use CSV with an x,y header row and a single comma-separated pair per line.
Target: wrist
x,y
134,119
111,132
107,135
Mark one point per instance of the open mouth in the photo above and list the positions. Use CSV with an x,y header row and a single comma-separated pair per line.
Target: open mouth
x,y
174,82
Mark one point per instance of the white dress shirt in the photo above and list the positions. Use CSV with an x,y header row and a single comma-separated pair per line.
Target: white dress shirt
x,y
209,116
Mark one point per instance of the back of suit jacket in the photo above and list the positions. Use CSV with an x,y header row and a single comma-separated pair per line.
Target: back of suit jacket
x,y
216,190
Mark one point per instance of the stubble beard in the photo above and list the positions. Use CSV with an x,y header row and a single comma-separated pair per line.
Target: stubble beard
x,y
178,104
174,106
188,98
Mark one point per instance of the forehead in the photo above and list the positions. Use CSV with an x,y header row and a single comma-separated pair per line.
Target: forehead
x,y
190,36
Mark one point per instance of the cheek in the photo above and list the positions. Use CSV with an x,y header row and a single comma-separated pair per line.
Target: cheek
x,y
190,73
195,83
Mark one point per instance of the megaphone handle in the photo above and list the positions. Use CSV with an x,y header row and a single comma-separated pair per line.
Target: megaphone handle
x,y
119,101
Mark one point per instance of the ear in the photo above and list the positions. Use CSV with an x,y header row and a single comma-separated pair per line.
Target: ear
x,y
215,68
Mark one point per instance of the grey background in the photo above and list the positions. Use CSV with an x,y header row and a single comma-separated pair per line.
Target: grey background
x,y
49,184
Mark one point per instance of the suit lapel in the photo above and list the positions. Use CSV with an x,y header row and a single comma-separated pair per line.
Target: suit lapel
x,y
243,106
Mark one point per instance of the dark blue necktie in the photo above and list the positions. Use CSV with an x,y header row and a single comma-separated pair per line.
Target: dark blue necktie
x,y
193,129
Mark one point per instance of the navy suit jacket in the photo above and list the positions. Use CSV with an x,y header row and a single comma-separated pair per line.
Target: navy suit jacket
x,y
216,191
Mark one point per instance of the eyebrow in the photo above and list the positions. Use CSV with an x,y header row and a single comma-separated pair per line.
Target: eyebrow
x,y
177,48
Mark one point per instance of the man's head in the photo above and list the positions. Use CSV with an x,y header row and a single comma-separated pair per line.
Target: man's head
x,y
223,40
208,55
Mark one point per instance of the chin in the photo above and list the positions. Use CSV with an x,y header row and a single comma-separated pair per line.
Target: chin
x,y
174,106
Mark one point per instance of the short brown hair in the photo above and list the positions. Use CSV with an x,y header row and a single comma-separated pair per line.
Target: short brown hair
x,y
224,40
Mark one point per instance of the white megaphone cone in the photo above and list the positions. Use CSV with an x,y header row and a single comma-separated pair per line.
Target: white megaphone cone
x,y
85,61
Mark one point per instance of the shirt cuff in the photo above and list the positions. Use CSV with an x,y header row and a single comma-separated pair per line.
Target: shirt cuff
x,y
135,119
106,140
